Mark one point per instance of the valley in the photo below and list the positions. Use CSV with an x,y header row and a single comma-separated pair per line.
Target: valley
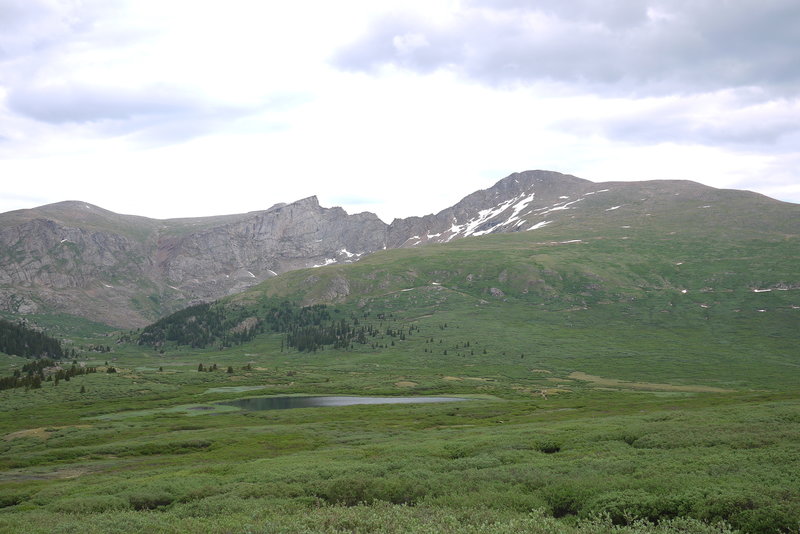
x,y
631,367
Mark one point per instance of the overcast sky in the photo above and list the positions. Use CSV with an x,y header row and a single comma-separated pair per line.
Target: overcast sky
x,y
172,108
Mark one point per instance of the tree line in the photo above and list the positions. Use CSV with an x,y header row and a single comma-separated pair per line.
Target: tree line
x,y
20,340
305,328
32,375
213,324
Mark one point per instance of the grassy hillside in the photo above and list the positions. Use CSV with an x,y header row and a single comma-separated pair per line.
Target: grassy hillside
x,y
619,379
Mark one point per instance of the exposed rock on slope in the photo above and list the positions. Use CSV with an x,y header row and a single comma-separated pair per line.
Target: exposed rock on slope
x,y
77,258
72,257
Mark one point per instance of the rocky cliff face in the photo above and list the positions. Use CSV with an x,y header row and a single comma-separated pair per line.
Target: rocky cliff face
x,y
76,258
227,258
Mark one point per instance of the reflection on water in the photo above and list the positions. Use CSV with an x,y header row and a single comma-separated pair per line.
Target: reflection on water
x,y
283,403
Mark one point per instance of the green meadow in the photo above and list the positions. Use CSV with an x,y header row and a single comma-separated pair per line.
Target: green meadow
x,y
611,386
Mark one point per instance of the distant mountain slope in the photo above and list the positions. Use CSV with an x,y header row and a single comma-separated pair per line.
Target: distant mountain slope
x,y
77,258
537,199
126,271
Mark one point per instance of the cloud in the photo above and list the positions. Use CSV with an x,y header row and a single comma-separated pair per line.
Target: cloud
x,y
724,119
102,68
632,47
90,103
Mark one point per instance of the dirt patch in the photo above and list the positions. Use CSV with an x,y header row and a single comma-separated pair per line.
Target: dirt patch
x,y
405,384
645,386
61,474
452,378
554,391
41,432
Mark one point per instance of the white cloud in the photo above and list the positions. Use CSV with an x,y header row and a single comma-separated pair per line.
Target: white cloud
x,y
197,108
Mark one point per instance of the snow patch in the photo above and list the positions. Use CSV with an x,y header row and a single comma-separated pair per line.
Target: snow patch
x,y
350,254
431,236
562,206
684,291
761,290
483,216
570,241
518,207
273,273
111,287
612,208
470,228
328,261
251,275
563,198
539,225
704,207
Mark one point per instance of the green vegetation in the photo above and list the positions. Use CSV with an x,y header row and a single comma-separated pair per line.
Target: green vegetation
x,y
614,385
23,341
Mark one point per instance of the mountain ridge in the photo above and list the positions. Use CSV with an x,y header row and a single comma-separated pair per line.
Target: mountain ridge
x,y
128,270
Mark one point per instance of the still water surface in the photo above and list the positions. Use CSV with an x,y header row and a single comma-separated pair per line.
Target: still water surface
x,y
283,403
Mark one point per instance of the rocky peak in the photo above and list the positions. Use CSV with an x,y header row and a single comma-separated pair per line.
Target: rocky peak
x,y
509,205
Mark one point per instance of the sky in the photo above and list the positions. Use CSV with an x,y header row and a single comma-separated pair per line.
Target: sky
x,y
178,108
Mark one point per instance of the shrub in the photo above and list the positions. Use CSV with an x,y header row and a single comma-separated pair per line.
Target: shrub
x,y
547,446
623,506
11,499
150,500
89,504
563,500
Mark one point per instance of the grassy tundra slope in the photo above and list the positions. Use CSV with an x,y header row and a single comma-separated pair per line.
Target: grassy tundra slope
x,y
626,373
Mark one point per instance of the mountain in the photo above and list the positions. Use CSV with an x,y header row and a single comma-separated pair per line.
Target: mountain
x,y
656,280
123,270
76,258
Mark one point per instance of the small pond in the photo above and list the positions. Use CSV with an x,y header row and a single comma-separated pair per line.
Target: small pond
x,y
283,403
